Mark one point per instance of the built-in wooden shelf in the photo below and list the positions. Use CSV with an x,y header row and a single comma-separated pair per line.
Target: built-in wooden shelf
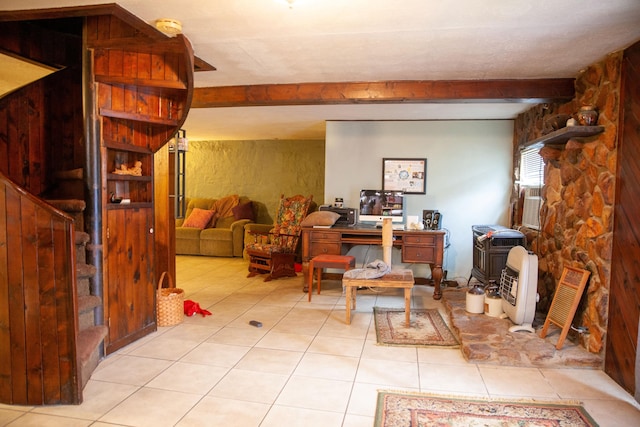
x,y
142,83
127,147
560,137
124,177
138,117
132,205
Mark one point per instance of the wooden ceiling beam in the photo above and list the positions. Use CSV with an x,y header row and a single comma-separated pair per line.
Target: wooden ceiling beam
x,y
401,91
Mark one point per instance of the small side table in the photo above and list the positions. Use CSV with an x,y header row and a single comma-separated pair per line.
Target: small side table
x,y
397,278
319,262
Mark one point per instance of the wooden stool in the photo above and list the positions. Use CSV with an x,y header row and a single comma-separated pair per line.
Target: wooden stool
x,y
344,262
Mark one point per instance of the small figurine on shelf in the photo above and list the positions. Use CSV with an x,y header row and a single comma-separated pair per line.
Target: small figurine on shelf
x,y
136,170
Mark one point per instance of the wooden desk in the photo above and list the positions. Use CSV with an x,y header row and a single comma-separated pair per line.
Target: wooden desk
x,y
417,247
397,278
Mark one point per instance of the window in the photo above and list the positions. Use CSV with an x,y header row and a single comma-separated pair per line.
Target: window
x,y
531,179
531,168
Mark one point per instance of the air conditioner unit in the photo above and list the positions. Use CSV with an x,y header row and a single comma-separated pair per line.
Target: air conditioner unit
x,y
531,209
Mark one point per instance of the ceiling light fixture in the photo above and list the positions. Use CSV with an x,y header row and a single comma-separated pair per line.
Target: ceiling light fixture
x,y
170,27
289,2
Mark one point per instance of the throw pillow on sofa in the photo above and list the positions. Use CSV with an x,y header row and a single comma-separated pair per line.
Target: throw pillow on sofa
x,y
199,218
244,211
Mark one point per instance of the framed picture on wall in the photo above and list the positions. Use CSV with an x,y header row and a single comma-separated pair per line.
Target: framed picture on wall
x,y
407,175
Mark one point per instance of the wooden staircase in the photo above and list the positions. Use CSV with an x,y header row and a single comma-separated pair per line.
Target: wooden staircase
x,y
90,340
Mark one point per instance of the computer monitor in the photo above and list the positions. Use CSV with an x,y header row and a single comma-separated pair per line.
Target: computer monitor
x,y
376,205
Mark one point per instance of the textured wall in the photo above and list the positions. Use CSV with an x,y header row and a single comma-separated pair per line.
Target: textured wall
x,y
578,197
260,170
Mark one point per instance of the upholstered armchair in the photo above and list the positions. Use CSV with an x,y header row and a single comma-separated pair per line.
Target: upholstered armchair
x,y
274,253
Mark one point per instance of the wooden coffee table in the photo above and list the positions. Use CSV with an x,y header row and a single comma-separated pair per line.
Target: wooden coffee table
x,y
397,278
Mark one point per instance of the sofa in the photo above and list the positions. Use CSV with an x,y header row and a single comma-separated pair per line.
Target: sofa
x,y
215,227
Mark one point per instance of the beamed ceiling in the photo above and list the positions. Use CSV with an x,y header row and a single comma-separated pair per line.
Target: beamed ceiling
x,y
281,72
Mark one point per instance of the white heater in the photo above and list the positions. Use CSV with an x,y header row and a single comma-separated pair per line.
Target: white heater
x,y
519,288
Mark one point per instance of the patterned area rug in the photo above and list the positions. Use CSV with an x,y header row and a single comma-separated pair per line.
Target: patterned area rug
x,y
427,328
421,410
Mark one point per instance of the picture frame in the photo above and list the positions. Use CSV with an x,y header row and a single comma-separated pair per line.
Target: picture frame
x,y
406,175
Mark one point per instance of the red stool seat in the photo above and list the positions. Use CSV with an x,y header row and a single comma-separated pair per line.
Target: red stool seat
x,y
319,262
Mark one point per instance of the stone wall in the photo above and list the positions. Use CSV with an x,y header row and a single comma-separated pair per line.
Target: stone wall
x,y
578,197
260,170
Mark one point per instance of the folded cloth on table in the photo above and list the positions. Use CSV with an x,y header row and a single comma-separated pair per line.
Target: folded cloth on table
x,y
373,270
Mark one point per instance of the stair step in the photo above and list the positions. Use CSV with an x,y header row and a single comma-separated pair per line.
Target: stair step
x,y
70,174
88,345
74,207
85,271
82,238
88,303
68,205
86,312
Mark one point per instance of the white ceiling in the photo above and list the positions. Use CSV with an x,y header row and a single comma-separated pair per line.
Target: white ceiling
x,y
265,41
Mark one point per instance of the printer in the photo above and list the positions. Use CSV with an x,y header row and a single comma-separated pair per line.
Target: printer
x,y
348,216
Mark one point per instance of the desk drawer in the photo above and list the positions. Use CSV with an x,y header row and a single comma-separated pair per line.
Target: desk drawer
x,y
317,236
422,239
419,254
319,248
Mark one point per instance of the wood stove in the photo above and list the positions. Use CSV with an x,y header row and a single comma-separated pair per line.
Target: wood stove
x,y
491,246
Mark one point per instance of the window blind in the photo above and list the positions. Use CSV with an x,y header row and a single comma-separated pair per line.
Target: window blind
x,y
531,168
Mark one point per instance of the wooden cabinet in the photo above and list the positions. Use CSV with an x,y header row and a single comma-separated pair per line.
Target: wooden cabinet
x,y
142,89
419,248
129,275
323,243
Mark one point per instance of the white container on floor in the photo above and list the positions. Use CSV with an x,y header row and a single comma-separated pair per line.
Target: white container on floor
x,y
493,305
475,300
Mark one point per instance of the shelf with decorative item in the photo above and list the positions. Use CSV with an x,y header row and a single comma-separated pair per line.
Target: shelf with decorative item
x,y
129,176
560,137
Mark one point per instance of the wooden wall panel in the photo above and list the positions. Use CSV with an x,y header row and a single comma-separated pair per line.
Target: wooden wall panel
x,y
41,125
6,391
37,355
621,359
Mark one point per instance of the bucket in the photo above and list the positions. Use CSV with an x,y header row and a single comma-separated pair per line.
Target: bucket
x,y
493,305
475,300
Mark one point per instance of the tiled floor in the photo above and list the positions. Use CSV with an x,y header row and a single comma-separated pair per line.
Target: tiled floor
x,y
304,367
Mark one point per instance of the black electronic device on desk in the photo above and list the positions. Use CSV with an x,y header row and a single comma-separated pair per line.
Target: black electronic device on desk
x,y
348,216
432,219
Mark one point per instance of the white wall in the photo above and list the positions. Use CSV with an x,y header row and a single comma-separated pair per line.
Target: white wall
x,y
469,166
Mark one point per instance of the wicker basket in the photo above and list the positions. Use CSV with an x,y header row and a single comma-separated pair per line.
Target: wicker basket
x,y
169,303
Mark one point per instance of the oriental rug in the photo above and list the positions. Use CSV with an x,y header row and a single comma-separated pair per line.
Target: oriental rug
x,y
396,409
427,328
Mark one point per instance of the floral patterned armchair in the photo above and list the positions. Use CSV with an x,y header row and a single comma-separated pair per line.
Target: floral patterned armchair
x,y
274,253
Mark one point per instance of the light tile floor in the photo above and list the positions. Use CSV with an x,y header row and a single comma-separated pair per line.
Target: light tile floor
x,y
303,367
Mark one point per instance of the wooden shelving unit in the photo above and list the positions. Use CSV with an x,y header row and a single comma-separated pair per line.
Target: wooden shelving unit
x,y
559,138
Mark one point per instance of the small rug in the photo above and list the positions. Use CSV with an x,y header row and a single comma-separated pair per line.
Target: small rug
x,y
421,410
427,328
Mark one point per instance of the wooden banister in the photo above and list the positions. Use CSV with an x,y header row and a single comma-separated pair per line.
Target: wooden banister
x,y
38,301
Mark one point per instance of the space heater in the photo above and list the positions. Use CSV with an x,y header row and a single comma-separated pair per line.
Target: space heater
x,y
519,288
